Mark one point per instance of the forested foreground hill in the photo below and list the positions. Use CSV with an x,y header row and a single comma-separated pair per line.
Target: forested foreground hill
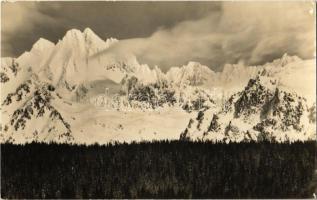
x,y
165,169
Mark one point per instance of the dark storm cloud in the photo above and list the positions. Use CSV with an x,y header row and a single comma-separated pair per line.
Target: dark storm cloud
x,y
246,32
24,22
171,33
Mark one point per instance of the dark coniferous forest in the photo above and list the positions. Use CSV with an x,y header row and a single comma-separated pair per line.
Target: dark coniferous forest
x,y
165,169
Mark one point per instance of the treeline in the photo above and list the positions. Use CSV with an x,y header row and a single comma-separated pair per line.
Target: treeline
x,y
165,169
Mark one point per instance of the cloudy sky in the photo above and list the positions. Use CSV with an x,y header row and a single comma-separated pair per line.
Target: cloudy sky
x,y
170,33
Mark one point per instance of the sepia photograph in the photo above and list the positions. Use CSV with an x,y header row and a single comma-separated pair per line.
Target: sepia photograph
x,y
158,100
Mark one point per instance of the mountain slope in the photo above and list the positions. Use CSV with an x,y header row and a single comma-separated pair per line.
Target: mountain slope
x,y
28,115
262,111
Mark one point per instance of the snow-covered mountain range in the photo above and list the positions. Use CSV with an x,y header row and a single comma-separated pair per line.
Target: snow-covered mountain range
x,y
75,91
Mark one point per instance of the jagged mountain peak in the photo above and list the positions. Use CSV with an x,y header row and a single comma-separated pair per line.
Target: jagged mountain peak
x,y
91,36
194,74
258,92
285,59
196,66
111,40
81,42
70,59
88,38
88,31
73,37
42,44
73,33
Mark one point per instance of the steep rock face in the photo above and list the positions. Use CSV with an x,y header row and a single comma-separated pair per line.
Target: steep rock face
x,y
284,112
28,115
257,93
262,111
